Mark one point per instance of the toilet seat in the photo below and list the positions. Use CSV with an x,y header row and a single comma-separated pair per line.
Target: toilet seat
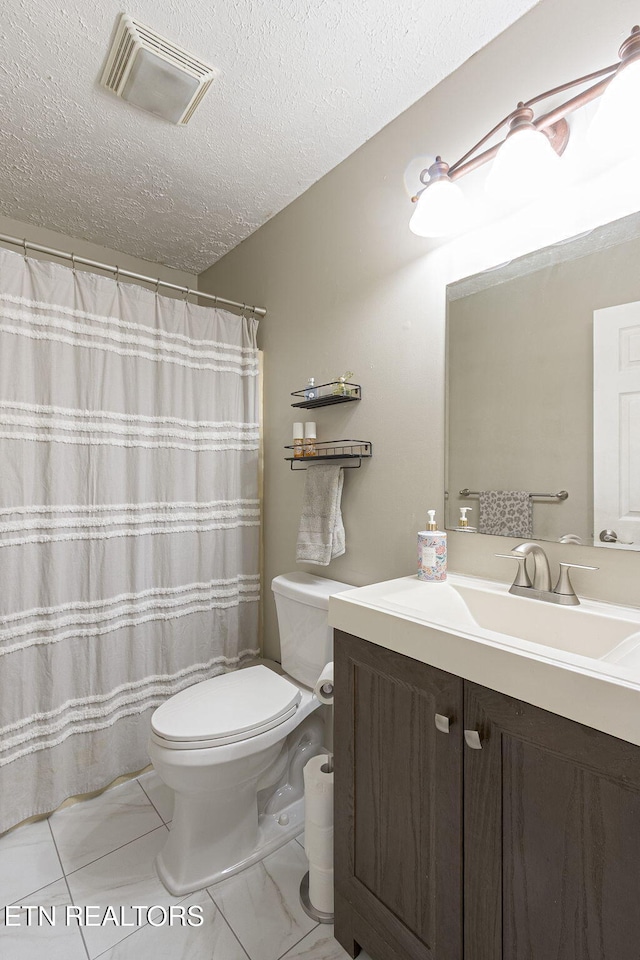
x,y
225,709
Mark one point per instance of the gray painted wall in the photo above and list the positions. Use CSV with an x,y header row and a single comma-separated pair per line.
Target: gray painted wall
x,y
347,286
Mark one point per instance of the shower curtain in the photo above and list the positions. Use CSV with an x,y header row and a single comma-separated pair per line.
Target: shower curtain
x,y
129,520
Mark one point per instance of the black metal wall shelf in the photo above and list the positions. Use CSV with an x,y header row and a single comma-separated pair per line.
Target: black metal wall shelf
x,y
334,450
336,391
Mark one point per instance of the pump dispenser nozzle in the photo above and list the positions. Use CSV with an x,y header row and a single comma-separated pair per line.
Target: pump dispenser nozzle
x,y
431,522
463,521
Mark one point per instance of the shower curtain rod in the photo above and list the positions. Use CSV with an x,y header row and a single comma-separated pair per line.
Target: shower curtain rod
x,y
26,244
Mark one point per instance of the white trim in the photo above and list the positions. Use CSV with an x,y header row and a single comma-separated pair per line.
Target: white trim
x,y
167,518
98,611
161,687
252,583
212,512
127,417
40,335
160,343
135,444
180,610
147,531
105,507
131,685
124,324
44,423
95,613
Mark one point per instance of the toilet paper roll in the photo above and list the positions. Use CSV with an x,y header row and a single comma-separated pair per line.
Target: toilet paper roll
x,y
318,792
324,685
321,889
318,845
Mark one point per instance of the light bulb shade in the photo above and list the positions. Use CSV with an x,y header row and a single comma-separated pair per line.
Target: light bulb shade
x,y
440,210
524,166
615,128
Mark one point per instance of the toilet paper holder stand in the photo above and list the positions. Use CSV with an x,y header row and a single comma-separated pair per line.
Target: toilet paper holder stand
x,y
318,915
308,907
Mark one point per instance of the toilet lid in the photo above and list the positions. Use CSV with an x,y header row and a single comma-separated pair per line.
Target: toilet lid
x,y
232,706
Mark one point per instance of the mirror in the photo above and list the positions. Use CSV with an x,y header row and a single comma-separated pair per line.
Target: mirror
x,y
543,392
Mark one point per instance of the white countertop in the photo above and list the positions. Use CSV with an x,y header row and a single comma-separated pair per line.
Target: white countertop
x,y
576,673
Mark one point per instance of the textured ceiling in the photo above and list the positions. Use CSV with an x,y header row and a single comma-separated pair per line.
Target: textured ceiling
x,y
302,84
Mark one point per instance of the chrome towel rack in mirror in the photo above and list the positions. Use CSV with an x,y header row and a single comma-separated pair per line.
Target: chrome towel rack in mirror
x,y
562,495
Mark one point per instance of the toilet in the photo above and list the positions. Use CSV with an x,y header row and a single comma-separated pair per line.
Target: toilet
x,y
232,748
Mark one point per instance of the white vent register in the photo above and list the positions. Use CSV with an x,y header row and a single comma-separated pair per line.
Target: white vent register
x,y
154,74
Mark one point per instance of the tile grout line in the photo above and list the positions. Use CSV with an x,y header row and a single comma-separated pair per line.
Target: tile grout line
x,y
66,883
55,847
205,891
121,847
138,929
152,803
234,934
145,925
263,862
127,936
298,942
31,893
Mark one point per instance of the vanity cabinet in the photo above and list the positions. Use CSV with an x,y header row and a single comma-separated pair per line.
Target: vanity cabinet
x,y
398,805
521,844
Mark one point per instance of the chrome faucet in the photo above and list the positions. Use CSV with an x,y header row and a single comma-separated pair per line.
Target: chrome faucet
x,y
540,589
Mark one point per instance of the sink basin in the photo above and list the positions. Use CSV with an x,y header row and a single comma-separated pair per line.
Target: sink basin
x,y
580,662
486,609
580,630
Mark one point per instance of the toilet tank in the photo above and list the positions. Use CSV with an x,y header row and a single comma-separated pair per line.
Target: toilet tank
x,y
306,639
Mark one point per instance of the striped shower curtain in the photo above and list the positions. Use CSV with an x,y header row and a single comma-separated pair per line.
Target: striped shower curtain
x,y
129,520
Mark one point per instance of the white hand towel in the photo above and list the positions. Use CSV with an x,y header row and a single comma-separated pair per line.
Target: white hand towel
x,y
321,533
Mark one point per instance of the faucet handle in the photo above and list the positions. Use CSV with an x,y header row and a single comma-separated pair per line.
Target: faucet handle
x,y
564,587
522,577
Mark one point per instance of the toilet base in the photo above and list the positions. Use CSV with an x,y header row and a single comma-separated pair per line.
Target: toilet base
x,y
274,830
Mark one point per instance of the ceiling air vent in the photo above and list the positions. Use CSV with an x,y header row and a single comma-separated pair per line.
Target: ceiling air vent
x,y
153,73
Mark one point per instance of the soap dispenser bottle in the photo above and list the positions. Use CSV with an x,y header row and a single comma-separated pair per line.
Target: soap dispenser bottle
x,y
432,552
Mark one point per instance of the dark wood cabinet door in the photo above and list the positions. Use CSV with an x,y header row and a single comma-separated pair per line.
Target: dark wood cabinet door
x,y
398,805
552,836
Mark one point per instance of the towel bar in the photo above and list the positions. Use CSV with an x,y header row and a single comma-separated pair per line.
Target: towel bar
x,y
346,466
562,495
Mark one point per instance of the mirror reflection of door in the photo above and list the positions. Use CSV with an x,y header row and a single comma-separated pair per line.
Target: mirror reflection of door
x,y
616,423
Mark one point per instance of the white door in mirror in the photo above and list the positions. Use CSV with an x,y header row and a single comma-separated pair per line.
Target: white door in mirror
x,y
616,423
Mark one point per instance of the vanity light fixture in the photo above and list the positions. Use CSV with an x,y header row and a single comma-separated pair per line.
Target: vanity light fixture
x,y
529,156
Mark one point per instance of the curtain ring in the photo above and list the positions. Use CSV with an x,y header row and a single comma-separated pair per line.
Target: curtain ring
x,y
242,313
157,286
73,262
24,244
186,294
117,273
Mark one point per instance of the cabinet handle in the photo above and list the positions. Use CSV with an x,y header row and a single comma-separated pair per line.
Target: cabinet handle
x,y
472,738
442,723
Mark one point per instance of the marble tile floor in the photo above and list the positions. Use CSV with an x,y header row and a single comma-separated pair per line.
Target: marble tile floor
x,y
99,854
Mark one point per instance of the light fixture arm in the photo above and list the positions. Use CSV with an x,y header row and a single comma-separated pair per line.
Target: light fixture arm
x,y
605,71
465,165
525,161
552,122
